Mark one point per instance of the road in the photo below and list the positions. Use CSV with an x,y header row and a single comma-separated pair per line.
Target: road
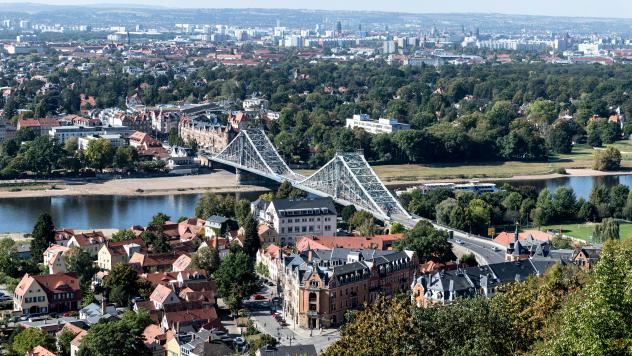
x,y
260,313
478,245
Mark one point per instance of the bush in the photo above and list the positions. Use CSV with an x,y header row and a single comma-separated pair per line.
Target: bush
x,y
608,159
561,170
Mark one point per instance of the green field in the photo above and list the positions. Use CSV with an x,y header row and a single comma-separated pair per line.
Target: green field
x,y
585,231
581,157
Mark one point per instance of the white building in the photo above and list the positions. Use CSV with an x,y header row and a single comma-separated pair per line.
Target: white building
x,y
302,217
62,133
365,123
115,140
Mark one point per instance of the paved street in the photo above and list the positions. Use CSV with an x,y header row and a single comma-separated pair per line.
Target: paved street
x,y
261,314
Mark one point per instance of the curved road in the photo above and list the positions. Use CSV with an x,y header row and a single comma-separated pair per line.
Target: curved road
x,y
480,246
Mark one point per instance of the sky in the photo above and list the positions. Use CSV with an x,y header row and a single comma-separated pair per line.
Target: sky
x,y
582,8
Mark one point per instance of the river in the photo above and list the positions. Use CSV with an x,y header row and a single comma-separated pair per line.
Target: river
x,y
97,212
119,212
580,185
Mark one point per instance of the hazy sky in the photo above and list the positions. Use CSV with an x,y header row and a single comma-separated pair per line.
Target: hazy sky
x,y
602,8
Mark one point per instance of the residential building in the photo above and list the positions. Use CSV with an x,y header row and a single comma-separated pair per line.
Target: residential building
x,y
211,136
39,126
319,286
90,242
445,286
118,252
53,259
182,263
215,226
156,339
267,234
153,262
292,218
163,295
364,122
376,242
40,351
271,257
93,312
47,293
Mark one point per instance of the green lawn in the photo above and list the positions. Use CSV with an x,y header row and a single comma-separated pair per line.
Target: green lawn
x,y
581,157
585,231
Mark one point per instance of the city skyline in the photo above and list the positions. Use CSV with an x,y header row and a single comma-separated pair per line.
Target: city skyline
x,y
563,8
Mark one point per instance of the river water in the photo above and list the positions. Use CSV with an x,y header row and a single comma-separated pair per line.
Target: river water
x,y
94,212
119,212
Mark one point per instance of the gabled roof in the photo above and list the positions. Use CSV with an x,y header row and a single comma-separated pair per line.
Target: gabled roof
x,y
182,263
161,293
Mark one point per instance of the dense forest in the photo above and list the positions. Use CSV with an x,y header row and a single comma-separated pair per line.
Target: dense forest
x,y
458,113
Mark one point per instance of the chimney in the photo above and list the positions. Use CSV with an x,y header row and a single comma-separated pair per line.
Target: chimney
x,y
103,306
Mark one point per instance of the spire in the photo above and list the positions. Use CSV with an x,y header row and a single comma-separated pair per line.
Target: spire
x,y
516,234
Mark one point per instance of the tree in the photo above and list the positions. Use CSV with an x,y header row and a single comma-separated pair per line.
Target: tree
x,y
80,262
252,242
360,218
396,228
206,258
444,209
27,339
469,260
158,220
123,235
543,212
429,244
43,235
122,337
596,320
125,157
174,138
480,215
608,159
529,305
236,279
122,282
71,145
347,212
242,211
99,154
587,211
395,326
63,342
607,230
564,203
286,190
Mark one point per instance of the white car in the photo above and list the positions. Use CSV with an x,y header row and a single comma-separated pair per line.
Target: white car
x,y
460,242
495,249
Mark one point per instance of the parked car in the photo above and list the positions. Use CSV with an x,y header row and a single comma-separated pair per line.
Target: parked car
x,y
258,297
240,344
495,249
4,298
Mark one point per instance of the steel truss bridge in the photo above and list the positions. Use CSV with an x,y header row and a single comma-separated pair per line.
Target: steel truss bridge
x,y
347,178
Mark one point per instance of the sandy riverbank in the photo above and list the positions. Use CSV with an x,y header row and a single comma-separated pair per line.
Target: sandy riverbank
x,y
217,182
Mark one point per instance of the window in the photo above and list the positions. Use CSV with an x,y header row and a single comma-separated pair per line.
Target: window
x,y
304,229
327,227
311,228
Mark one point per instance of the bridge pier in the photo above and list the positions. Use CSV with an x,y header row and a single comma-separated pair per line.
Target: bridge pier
x,y
248,178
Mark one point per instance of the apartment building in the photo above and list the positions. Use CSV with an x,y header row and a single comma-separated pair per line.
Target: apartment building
x,y
47,293
293,218
319,286
364,122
